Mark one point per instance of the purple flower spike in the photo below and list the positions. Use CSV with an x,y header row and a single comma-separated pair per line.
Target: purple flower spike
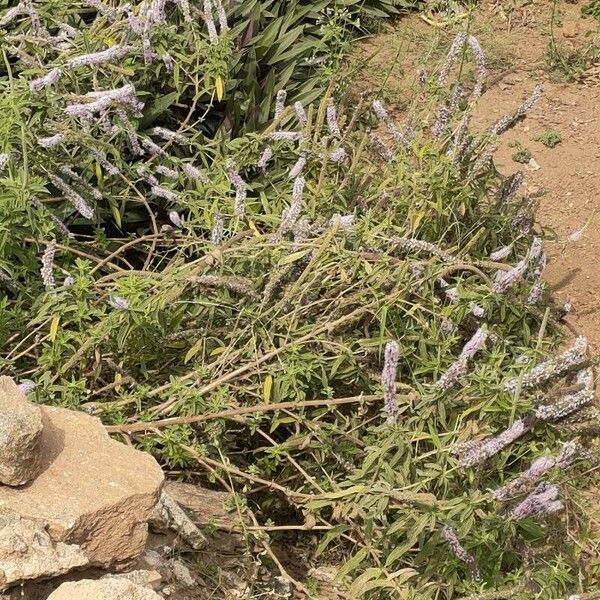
x,y
50,142
240,189
47,270
50,79
458,550
542,501
265,158
388,379
475,453
119,303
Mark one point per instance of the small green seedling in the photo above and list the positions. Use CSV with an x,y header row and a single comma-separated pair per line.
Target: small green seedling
x,y
550,138
522,155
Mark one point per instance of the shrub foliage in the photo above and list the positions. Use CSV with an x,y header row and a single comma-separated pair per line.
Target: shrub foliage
x,y
229,303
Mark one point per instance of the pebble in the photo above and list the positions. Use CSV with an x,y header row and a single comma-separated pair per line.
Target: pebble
x,y
570,30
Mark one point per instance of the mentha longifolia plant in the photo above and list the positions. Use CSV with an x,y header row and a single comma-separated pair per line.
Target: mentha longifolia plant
x,y
341,311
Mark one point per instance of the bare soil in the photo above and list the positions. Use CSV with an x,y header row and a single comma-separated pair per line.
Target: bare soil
x,y
567,182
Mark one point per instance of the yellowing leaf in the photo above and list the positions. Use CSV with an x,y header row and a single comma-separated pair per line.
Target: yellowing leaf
x,y
267,387
219,88
290,258
416,217
116,214
253,227
110,41
194,350
54,327
99,174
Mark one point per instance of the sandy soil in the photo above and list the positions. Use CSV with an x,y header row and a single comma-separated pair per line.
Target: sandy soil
x,y
567,182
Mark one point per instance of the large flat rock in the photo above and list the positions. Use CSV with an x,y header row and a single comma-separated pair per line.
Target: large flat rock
x,y
20,435
92,491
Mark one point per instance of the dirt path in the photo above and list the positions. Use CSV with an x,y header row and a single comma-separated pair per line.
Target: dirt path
x,y
567,182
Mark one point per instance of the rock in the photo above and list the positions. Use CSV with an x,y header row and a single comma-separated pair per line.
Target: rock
x,y
148,579
207,508
182,574
27,552
93,491
169,513
103,589
20,435
570,30
171,570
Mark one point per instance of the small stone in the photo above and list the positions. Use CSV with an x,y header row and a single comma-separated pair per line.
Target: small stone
x,y
570,30
533,165
103,589
182,574
20,435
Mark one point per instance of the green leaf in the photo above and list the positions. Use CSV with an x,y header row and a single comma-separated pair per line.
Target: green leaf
x,y
352,564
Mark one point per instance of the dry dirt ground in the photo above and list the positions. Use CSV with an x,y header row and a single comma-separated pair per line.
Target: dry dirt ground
x,y
516,35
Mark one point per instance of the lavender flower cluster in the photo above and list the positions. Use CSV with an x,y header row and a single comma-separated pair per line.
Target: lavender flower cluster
x,y
265,158
47,270
240,189
388,379
456,48
51,141
68,171
459,367
552,368
538,469
194,173
501,253
506,122
280,99
104,162
171,136
572,402
452,293
415,245
216,235
332,121
507,279
119,303
124,96
510,188
458,550
78,202
476,452
290,215
398,136
97,58
542,501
